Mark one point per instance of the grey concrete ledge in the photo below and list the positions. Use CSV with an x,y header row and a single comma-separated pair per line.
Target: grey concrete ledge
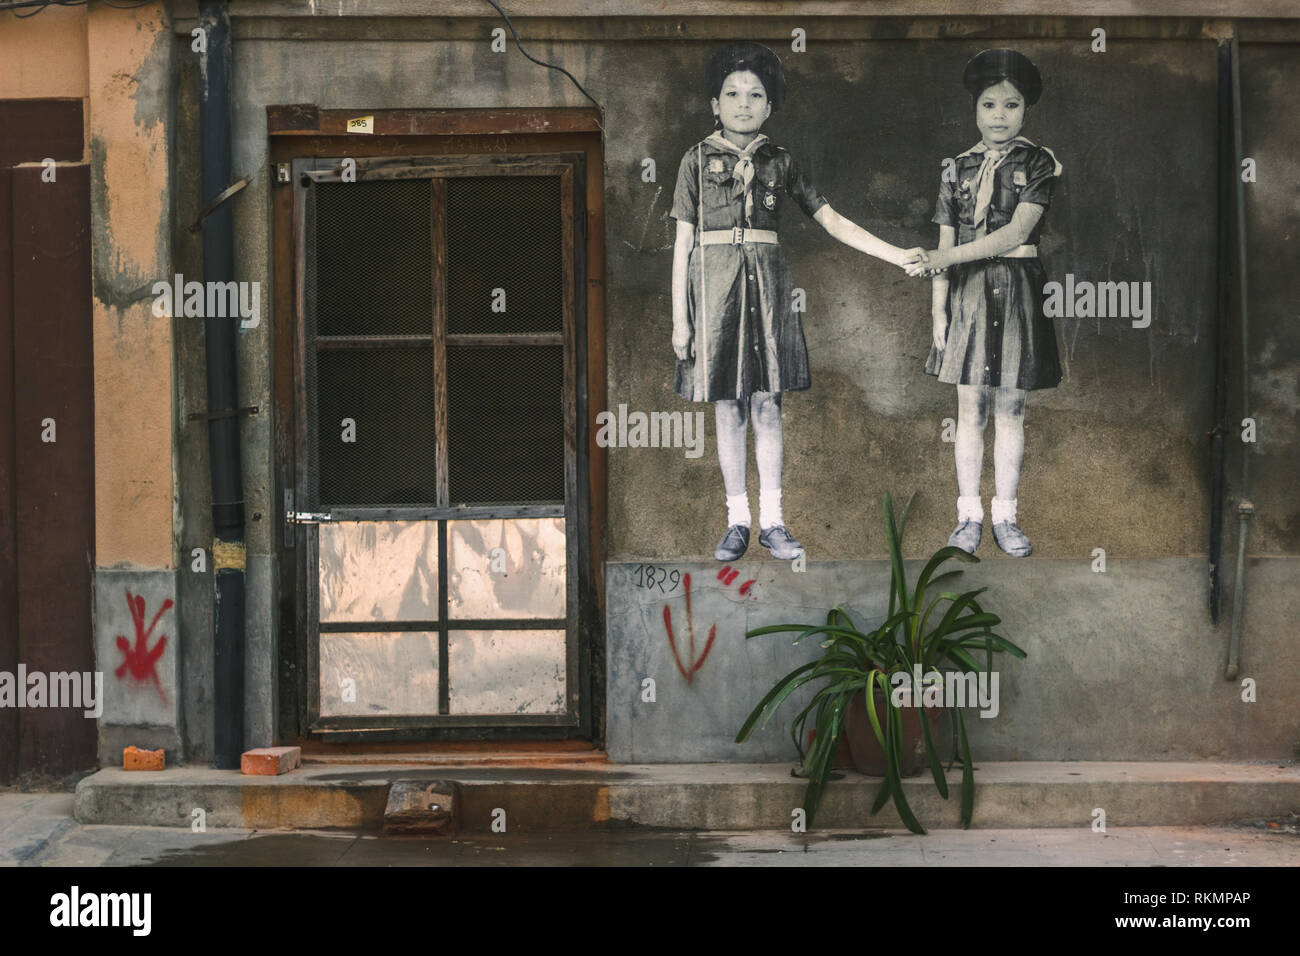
x,y
696,796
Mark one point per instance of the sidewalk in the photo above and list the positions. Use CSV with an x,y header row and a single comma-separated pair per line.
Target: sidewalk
x,y
685,797
38,829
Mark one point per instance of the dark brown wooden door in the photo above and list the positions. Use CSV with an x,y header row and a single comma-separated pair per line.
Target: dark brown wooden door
x,y
47,518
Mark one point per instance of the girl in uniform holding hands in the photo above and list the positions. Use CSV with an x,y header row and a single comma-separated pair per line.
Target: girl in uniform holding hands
x,y
738,340
990,336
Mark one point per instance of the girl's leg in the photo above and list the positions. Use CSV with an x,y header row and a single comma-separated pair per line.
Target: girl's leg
x,y
972,416
1008,455
730,417
1008,440
765,412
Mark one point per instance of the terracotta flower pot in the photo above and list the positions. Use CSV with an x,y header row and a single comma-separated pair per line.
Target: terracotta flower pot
x,y
868,755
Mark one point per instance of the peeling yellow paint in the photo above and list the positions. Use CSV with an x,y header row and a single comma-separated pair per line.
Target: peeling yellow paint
x,y
133,347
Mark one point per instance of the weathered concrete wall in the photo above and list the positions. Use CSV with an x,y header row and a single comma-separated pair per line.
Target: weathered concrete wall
x,y
1117,456
142,702
1121,665
1271,135
255,382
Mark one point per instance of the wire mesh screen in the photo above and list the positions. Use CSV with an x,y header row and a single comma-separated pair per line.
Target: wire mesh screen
x,y
387,456
504,232
371,272
505,424
374,258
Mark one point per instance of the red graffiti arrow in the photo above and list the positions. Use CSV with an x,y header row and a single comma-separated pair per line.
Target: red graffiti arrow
x,y
696,663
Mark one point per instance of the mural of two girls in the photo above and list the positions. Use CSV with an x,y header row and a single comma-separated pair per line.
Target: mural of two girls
x,y
738,337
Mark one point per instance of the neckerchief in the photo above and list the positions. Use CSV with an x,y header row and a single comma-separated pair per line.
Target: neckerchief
x,y
743,174
992,160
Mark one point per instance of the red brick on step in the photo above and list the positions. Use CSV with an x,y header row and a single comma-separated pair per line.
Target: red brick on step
x,y
133,758
270,761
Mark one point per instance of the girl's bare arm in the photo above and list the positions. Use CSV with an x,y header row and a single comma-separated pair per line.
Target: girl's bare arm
x,y
854,235
996,243
939,291
681,257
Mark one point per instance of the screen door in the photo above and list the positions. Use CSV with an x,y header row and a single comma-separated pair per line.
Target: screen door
x,y
435,484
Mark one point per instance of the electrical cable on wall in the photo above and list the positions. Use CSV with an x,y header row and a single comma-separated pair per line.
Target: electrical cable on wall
x,y
550,66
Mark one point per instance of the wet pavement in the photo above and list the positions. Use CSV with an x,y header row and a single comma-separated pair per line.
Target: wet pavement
x,y
37,829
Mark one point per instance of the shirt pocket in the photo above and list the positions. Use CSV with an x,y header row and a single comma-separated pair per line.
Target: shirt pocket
x,y
964,192
717,191
1012,178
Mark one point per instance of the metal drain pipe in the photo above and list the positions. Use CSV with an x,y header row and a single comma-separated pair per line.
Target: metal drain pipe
x,y
228,553
1245,508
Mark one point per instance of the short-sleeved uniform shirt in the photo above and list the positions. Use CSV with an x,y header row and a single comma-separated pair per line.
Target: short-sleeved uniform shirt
x,y
1026,174
998,334
746,335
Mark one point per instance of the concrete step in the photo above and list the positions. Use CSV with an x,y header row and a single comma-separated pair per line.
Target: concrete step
x,y
695,796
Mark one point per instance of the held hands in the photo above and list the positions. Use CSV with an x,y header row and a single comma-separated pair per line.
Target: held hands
x,y
909,257
927,263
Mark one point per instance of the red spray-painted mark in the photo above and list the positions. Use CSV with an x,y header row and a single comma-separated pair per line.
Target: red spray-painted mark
x,y
695,663
141,660
727,575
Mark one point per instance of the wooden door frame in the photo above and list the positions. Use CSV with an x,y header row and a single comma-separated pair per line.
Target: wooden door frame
x,y
304,131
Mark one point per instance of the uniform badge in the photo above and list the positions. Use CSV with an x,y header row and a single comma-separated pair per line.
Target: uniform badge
x,y
769,201
715,165
1018,177
771,183
965,185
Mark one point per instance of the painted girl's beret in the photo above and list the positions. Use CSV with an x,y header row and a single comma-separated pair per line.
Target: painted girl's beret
x,y
990,67
758,59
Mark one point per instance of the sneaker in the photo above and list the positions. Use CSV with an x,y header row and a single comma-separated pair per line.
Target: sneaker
x,y
967,536
733,544
1012,540
780,542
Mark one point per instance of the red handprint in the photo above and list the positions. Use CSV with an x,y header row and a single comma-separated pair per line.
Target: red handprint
x,y
141,659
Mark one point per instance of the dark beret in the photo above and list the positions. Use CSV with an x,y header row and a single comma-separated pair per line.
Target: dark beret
x,y
990,67
758,59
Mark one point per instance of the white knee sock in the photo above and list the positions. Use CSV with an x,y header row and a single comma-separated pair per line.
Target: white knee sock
x,y
738,509
970,509
1004,509
769,508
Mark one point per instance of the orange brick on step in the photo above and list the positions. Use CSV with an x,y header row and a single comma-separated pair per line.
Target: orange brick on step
x,y
270,761
133,758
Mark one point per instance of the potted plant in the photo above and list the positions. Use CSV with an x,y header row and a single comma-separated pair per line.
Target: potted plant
x,y
858,668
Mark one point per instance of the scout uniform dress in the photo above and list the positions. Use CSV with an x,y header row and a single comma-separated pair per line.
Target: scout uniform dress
x,y
746,334
998,334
